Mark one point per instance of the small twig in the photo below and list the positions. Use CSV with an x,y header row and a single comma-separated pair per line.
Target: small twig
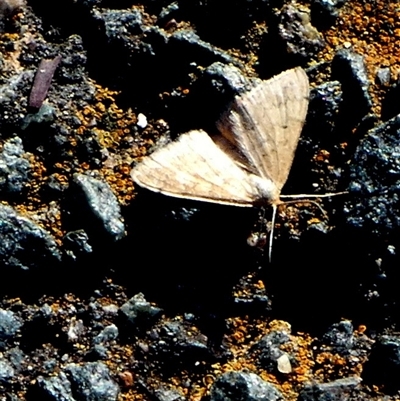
x,y
42,81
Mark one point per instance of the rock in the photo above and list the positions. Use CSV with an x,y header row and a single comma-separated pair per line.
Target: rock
x,y
338,390
270,356
324,13
76,244
168,13
176,344
375,181
6,371
124,30
390,103
383,76
186,42
383,366
301,39
137,310
120,24
349,69
16,357
9,326
339,337
165,394
108,334
14,168
98,351
101,209
92,382
243,386
24,243
324,107
72,69
227,79
57,388
76,330
11,106
141,121
46,114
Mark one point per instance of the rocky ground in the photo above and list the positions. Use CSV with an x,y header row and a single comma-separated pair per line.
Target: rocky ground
x,y
110,292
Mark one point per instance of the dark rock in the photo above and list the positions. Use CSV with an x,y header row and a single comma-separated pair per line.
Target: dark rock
x,y
250,297
76,244
101,207
375,181
57,388
6,371
176,344
243,386
391,102
187,43
90,150
14,168
53,188
11,104
98,351
92,382
46,114
324,13
227,79
325,101
339,337
16,357
73,63
137,311
349,69
338,390
9,326
50,365
108,334
218,84
120,24
269,352
383,366
24,243
124,29
301,39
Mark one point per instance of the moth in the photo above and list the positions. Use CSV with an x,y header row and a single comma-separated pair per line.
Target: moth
x,y
248,164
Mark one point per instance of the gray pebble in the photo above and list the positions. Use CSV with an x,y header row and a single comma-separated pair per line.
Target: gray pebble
x,y
232,386
25,244
92,382
103,205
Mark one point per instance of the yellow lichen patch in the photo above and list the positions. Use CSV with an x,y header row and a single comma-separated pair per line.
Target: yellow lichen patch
x,y
245,356
372,29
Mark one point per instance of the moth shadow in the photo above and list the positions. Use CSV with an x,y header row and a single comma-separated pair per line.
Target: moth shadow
x,y
316,280
187,255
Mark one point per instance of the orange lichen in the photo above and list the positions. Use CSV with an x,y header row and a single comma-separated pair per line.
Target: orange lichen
x,y
372,29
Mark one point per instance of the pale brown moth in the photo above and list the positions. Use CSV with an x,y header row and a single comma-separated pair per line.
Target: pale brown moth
x,y
248,164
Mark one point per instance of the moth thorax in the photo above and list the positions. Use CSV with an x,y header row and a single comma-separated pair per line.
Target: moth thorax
x,y
269,193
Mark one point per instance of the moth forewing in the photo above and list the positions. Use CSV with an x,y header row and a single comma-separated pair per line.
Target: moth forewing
x,y
194,167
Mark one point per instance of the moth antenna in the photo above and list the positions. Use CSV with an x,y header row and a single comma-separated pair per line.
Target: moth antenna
x,y
271,234
306,196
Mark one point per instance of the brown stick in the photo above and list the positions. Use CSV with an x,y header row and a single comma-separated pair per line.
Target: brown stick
x,y
42,81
